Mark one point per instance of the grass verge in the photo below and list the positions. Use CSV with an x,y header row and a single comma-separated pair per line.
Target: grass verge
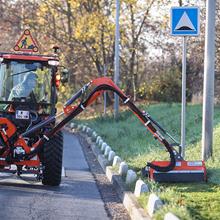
x,y
130,140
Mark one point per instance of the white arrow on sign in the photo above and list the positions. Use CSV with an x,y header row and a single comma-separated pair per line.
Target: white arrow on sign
x,y
184,23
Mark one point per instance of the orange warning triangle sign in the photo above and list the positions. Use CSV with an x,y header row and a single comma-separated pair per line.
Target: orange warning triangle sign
x,y
26,43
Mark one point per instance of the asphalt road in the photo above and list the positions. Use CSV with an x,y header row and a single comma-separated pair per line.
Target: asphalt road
x,y
76,198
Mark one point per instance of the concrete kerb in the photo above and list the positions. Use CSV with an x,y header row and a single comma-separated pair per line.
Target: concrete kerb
x,y
131,177
154,204
104,145
128,198
140,188
116,161
123,168
97,139
94,135
100,143
111,156
89,132
107,150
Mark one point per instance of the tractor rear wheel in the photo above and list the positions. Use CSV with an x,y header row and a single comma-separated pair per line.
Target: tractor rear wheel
x,y
52,160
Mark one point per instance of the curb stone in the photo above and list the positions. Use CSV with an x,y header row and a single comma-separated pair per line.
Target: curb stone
x,y
104,145
123,168
154,203
107,150
100,142
128,198
97,139
116,161
131,177
111,156
140,187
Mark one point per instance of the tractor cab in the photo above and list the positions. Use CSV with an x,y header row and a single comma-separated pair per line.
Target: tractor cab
x,y
29,83
30,80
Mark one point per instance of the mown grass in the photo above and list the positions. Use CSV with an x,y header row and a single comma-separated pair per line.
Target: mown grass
x,y
134,144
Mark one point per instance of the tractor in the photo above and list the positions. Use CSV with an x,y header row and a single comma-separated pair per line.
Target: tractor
x,y
28,95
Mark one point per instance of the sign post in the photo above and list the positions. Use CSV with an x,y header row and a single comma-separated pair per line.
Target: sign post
x,y
184,22
183,111
117,57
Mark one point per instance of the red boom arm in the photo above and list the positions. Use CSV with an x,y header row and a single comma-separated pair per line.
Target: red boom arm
x,y
100,85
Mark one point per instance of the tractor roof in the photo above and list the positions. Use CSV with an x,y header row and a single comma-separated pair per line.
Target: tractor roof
x,y
27,56
26,49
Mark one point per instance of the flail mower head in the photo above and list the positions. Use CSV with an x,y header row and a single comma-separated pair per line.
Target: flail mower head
x,y
184,171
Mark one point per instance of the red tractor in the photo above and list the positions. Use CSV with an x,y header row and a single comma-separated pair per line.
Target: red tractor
x,y
30,135
28,96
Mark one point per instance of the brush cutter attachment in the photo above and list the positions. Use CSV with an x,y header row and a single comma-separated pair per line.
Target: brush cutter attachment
x,y
184,171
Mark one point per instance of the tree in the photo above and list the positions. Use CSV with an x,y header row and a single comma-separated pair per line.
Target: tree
x,y
84,30
79,26
135,19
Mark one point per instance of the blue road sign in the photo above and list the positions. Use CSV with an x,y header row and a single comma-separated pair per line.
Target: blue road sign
x,y
185,21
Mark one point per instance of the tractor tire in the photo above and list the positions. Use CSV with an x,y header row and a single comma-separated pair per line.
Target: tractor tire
x,y
52,160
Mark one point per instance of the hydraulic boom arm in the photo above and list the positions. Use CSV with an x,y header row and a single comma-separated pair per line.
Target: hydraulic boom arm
x,y
99,86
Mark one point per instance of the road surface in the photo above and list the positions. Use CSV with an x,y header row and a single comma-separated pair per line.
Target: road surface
x,y
76,198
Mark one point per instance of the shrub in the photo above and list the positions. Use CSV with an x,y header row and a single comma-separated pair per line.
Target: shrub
x,y
164,87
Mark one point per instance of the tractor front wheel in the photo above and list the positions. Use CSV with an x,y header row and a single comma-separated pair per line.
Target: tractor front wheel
x,y
52,160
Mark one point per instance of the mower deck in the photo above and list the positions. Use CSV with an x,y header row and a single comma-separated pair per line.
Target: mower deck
x,y
184,171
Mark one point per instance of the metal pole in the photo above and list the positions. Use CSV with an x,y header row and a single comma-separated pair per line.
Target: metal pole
x,y
183,113
209,75
105,93
117,63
